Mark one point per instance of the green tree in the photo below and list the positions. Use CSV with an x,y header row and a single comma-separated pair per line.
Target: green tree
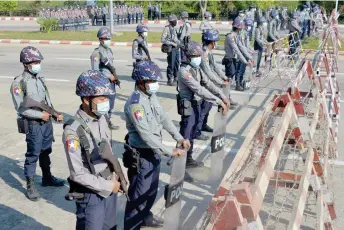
x,y
8,5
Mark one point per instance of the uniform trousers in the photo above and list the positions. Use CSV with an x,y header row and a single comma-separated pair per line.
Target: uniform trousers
x,y
142,190
188,125
39,141
203,118
94,212
172,64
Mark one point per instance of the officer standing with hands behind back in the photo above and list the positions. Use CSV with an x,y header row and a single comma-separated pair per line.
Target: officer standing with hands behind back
x,y
140,46
170,38
89,173
106,65
145,119
37,123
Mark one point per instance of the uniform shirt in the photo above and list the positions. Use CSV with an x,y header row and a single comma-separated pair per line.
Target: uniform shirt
x,y
210,68
205,25
137,52
77,161
284,14
145,119
169,38
30,86
105,10
231,47
105,55
244,44
193,84
272,29
185,30
294,26
260,36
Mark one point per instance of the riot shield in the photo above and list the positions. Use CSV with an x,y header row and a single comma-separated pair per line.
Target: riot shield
x,y
248,81
218,142
173,192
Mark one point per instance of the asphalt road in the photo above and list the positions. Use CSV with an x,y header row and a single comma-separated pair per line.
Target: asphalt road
x,y
61,67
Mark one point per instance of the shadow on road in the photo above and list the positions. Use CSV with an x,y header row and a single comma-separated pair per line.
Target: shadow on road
x,y
11,219
52,195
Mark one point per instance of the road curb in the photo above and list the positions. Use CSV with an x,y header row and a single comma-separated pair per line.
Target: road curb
x,y
164,22
92,43
18,19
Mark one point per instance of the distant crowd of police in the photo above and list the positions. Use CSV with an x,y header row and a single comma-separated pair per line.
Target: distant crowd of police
x,y
77,18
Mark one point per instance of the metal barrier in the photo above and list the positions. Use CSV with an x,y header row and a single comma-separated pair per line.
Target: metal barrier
x,y
289,149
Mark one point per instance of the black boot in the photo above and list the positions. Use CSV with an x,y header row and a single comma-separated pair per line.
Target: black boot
x,y
52,181
202,137
170,82
152,221
31,191
206,128
113,126
191,163
238,87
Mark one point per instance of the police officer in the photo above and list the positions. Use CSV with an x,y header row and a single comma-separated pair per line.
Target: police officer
x,y
194,87
260,41
216,76
40,135
205,24
272,27
169,37
106,65
89,173
306,22
105,12
145,119
140,46
284,18
232,53
294,40
150,11
184,30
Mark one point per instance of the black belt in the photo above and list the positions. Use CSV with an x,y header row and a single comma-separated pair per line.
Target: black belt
x,y
36,121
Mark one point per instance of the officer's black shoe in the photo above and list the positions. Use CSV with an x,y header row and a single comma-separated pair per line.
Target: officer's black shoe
x,y
239,88
170,82
174,83
206,128
152,221
31,191
191,163
52,181
113,126
233,102
202,137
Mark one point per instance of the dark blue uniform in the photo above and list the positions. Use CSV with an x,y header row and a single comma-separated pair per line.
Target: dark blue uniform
x,y
145,119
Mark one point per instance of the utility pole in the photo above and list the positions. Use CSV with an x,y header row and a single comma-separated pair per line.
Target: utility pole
x,y
111,16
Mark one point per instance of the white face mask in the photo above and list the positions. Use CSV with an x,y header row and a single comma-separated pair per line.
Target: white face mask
x,y
265,24
153,88
209,18
249,28
145,34
107,43
102,108
35,69
196,61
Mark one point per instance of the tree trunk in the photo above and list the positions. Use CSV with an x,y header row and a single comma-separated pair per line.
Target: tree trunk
x,y
203,6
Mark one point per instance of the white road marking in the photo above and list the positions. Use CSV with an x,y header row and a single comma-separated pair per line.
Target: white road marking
x,y
86,59
47,79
